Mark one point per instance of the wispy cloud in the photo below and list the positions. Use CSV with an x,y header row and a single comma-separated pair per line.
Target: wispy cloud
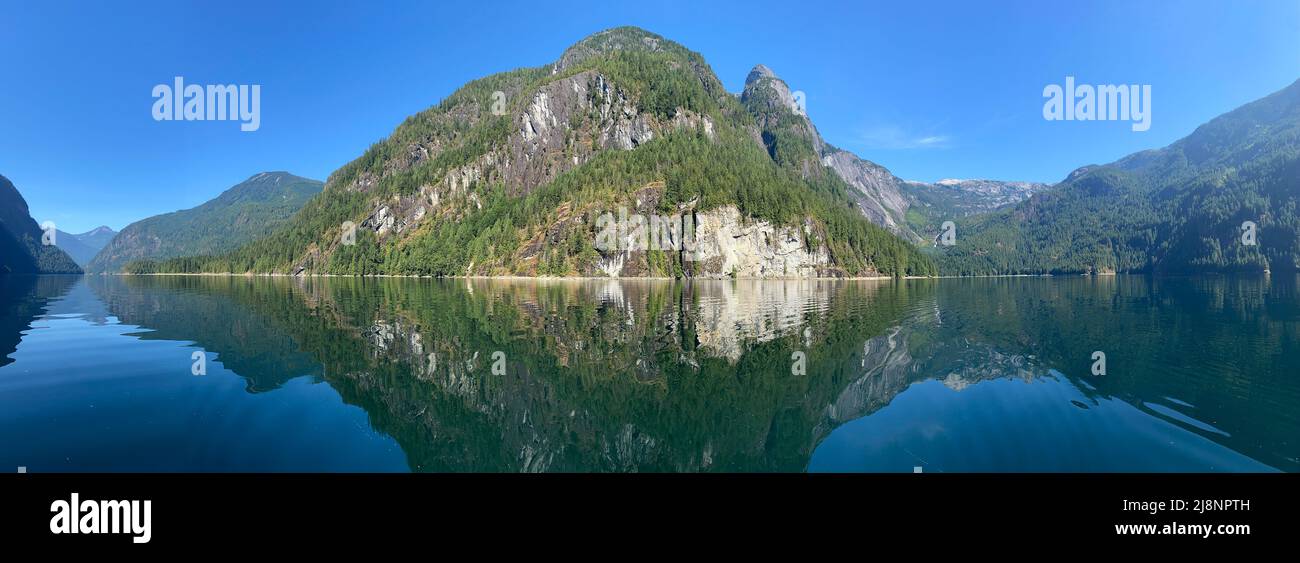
x,y
896,138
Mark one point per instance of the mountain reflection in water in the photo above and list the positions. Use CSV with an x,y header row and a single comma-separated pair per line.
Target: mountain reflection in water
x,y
948,375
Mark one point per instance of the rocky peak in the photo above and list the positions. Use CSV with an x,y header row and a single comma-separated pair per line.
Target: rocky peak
x,y
765,88
759,72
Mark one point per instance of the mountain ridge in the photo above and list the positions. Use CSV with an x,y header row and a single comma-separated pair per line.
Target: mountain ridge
x,y
1177,209
238,214
83,247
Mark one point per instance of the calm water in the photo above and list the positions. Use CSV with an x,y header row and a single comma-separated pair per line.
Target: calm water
x,y
1203,374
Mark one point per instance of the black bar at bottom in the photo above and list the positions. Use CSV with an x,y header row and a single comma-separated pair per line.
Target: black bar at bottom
x,y
984,509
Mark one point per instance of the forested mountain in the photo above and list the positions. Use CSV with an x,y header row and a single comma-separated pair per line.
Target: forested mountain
x,y
250,209
1177,209
511,174
83,247
21,249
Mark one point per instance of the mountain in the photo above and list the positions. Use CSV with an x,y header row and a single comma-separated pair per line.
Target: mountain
x,y
83,247
1178,209
912,210
251,209
21,248
929,205
792,140
519,173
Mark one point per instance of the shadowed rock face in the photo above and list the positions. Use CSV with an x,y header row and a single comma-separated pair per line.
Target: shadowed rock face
x,y
22,250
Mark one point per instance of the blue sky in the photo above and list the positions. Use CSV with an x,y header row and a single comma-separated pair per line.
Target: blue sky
x,y
928,89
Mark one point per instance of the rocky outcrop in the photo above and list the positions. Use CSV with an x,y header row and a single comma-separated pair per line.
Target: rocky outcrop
x,y
722,243
727,245
576,116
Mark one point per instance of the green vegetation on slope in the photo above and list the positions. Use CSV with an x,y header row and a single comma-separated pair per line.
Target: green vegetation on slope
x,y
1177,209
249,210
662,79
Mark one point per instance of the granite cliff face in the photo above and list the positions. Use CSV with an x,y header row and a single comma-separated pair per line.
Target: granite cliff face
x,y
565,124
878,195
728,245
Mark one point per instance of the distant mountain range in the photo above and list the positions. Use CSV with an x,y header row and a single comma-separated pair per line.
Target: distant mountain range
x,y
929,205
21,248
249,210
83,247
